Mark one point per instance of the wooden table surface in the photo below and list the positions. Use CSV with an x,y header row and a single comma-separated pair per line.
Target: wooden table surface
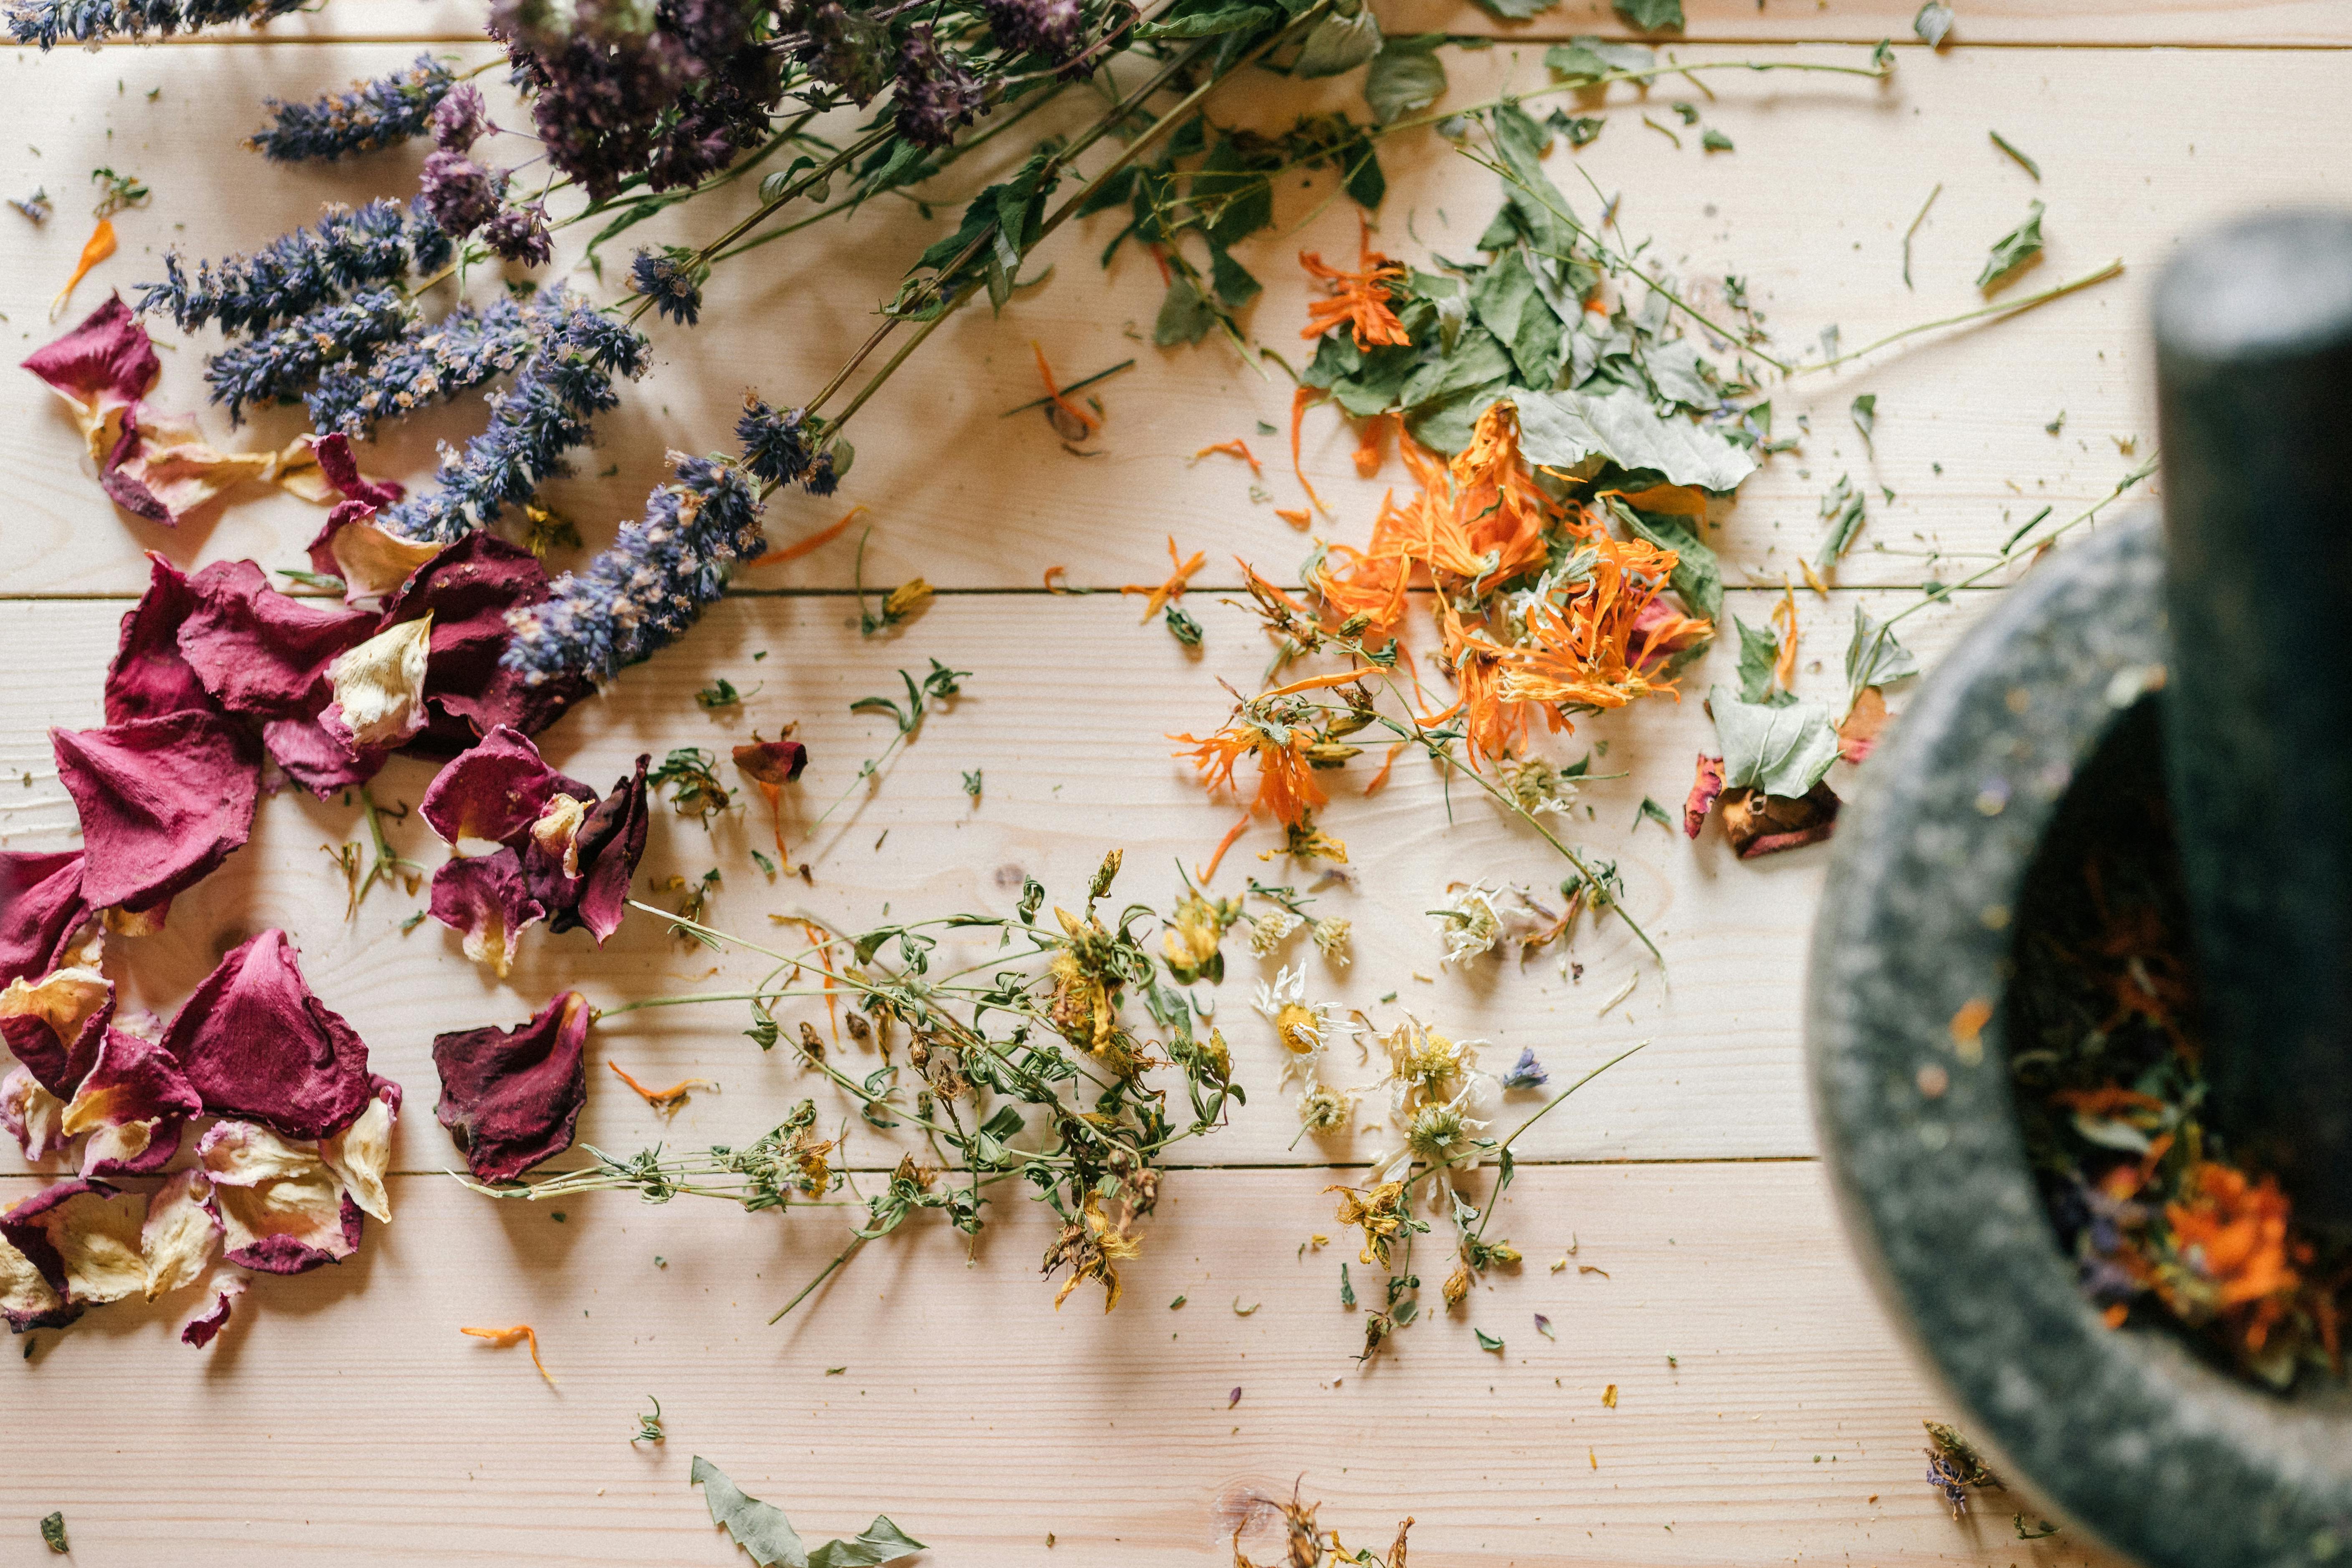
x,y
1766,1410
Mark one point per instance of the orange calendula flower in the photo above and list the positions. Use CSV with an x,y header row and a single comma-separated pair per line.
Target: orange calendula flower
x,y
2232,1230
1156,599
1359,299
1286,778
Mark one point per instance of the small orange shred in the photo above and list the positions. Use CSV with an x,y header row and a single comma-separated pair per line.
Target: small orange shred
x,y
1784,618
668,1099
1359,299
99,246
1387,763
1051,573
506,1339
1608,1397
822,939
1297,516
1317,682
1223,845
1368,448
1813,578
1971,1020
1236,447
1174,588
1300,401
2116,1314
800,547
1086,421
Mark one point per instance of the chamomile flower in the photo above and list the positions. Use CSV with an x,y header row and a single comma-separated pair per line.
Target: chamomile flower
x,y
1270,931
1323,1109
1469,921
1305,1029
1440,1135
1536,786
1333,941
1427,1067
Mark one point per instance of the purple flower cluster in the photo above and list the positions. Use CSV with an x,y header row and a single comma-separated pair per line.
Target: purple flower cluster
x,y
776,448
614,99
1049,27
672,280
520,233
279,365
643,594
379,114
299,272
430,364
566,382
937,92
51,22
461,194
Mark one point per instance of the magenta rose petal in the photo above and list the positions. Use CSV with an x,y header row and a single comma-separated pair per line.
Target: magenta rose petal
x,y
222,1293
487,899
512,1097
150,677
162,802
608,847
342,471
101,368
255,1043
83,1238
262,653
42,911
133,1102
283,1210
496,790
470,587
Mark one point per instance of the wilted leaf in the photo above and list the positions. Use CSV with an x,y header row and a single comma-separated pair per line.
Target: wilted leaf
x,y
1585,59
1934,20
1843,509
1406,76
2012,250
765,1533
1184,316
1516,10
1759,652
1781,750
1342,43
1561,429
1650,16
1873,658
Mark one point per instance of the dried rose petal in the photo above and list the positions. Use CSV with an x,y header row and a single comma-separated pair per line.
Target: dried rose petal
x,y
1659,633
101,368
222,1292
512,1097
1858,735
262,653
1759,823
31,1114
360,1153
133,1102
469,588
28,1299
162,802
373,562
770,765
555,834
317,760
487,898
608,847
379,688
42,911
56,1024
495,791
181,1234
162,468
150,677
282,1210
342,469
255,1043
1703,792
83,1236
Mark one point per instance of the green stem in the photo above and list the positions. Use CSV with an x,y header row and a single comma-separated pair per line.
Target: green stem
x,y
2005,308
1494,1199
823,1275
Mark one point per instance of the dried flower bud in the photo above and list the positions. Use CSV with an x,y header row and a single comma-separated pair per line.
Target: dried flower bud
x,y
672,280
461,118
1105,874
520,233
937,92
460,194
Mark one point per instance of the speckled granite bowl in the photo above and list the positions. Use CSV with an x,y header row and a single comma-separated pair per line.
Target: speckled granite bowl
x,y
2126,1435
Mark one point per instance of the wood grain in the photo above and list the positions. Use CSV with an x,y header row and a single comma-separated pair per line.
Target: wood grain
x,y
344,1419
1811,210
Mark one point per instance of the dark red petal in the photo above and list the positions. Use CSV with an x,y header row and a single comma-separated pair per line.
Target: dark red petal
x,y
342,471
1702,791
470,587
41,910
609,844
488,899
134,1079
512,1097
256,1044
289,1254
507,699
57,1063
105,363
149,677
772,761
262,653
314,759
495,791
162,802
212,1316
26,1227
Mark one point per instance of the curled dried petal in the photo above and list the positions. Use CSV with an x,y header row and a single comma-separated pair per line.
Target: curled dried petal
x,y
182,1233
282,1210
379,688
42,911
133,1102
360,1153
31,1114
495,791
487,899
56,1024
101,369
150,677
512,1097
222,1292
83,1236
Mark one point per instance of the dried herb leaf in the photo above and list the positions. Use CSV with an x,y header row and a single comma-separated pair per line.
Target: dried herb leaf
x,y
1873,658
1488,1342
53,1531
1561,429
1782,751
1845,508
1341,43
1933,22
1406,76
768,1536
2009,147
1865,418
1185,316
2012,250
1713,141
1650,16
1759,652
1585,58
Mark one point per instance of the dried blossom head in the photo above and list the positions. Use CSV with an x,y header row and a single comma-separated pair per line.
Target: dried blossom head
x,y
937,91
461,194
520,233
1526,1072
672,280
302,270
511,1096
1304,1029
1270,929
283,363
1324,1110
431,362
1047,27
775,446
460,117
383,112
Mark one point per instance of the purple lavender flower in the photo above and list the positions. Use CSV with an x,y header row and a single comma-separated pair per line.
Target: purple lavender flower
x,y
372,114
566,382
936,91
776,448
520,233
461,193
822,477
432,363
461,118
279,367
1047,27
672,281
301,271
51,22
643,594
1526,1072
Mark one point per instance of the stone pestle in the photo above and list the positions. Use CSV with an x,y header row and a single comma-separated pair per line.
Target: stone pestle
x,y
2253,334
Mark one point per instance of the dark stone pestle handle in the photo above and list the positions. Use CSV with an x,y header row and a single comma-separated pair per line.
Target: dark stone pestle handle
x,y
2253,331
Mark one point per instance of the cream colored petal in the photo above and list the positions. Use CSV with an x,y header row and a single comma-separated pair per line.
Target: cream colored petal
x,y
98,1241
23,1292
373,563
359,1156
63,999
119,1142
181,1234
308,1208
557,831
379,685
242,1155
32,1113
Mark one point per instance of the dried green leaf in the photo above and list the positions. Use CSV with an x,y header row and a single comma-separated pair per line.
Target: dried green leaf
x,y
1488,1342
1783,750
1845,508
1516,10
1341,43
1933,22
1873,658
1185,317
2010,148
1581,129
1698,575
1561,429
768,1536
1650,16
53,1531
1713,141
1652,812
1207,19
1406,77
2012,250
1585,58
1865,418
1759,652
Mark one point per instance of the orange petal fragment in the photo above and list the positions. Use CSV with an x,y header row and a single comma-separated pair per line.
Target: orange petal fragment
x,y
1087,422
1223,845
822,537
506,1339
668,1099
1236,447
1300,401
99,246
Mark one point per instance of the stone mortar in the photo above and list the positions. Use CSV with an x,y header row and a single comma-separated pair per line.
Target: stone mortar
x,y
2128,1437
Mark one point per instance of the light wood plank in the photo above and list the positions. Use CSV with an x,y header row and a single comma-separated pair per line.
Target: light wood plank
x,y
1810,208
981,1419
1069,707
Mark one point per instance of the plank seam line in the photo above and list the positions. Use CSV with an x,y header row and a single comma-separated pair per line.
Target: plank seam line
x,y
1099,591
1857,41
1235,1166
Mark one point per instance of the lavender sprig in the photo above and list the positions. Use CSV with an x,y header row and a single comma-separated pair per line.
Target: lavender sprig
x,y
51,22
279,367
937,92
383,112
567,381
301,271
430,364
643,594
